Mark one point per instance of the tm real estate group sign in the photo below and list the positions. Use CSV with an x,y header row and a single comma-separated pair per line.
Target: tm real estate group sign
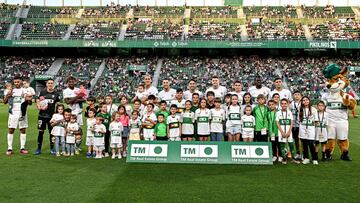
x,y
200,152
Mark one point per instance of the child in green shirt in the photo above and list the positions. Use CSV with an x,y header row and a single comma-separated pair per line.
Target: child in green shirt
x,y
261,124
160,131
273,130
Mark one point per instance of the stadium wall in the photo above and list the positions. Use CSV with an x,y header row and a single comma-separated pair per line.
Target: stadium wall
x,y
266,44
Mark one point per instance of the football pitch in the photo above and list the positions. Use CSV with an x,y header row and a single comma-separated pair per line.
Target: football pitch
x,y
44,178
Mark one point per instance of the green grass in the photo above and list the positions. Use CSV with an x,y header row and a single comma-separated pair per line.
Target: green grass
x,y
43,178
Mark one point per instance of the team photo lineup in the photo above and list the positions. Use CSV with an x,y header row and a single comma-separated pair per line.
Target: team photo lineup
x,y
179,100
289,120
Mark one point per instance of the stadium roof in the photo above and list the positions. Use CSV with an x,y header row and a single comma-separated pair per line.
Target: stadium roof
x,y
187,2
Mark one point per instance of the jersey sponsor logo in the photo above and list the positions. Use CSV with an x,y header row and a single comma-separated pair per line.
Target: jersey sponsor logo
x,y
116,133
234,116
217,119
308,122
285,121
203,119
134,125
50,101
199,151
149,127
187,120
17,99
97,134
322,125
248,124
70,135
335,105
174,125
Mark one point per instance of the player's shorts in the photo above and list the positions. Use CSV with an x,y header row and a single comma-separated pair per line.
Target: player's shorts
x,y
148,134
338,130
89,141
116,145
42,122
175,138
186,136
203,135
134,136
149,138
13,121
70,139
247,134
233,129
99,147
285,140
161,138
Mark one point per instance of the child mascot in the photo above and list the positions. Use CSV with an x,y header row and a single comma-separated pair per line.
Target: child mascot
x,y
338,103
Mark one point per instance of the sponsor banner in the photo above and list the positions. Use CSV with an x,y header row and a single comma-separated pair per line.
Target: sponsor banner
x,y
258,153
355,69
43,77
323,45
138,68
269,44
94,43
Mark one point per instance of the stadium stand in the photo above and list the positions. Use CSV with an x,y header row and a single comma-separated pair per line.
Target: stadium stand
x,y
349,30
98,30
112,10
328,11
7,10
271,11
153,29
214,12
117,80
50,12
159,12
209,30
4,26
24,66
275,30
34,30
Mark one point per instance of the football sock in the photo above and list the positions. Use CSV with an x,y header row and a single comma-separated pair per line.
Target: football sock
x,y
22,140
10,138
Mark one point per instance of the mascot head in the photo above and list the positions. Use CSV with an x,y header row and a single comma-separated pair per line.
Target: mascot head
x,y
336,78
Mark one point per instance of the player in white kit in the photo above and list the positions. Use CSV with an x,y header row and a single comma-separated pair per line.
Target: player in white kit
x,y
308,119
258,89
74,100
321,132
116,131
17,97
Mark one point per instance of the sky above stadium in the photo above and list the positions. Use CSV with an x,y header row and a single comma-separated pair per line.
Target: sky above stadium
x,y
182,2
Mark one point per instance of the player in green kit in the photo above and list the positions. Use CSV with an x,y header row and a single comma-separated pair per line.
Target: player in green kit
x,y
107,119
260,113
160,131
273,131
